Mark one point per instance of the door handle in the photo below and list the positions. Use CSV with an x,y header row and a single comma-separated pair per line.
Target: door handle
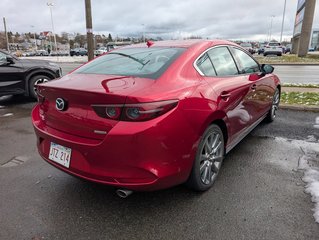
x,y
225,95
253,87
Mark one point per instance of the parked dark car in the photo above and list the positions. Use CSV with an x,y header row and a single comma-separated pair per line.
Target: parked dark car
x,y
288,48
20,76
78,52
261,48
248,47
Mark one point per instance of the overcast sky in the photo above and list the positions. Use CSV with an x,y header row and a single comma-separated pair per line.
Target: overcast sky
x,y
229,19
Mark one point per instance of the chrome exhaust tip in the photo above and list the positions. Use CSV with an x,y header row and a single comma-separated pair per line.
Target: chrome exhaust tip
x,y
123,193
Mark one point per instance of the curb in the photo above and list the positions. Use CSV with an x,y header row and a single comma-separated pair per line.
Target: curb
x,y
299,108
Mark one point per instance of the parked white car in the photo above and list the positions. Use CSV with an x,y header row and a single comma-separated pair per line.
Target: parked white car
x,y
273,48
100,51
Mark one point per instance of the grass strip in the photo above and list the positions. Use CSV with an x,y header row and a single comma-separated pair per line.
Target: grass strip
x,y
300,98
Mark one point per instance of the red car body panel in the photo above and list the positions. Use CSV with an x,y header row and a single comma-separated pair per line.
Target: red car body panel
x,y
157,153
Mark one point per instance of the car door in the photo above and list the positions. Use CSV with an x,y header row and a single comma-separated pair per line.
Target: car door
x,y
11,76
260,97
218,68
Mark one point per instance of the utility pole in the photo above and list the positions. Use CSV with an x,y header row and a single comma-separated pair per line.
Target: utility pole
x,y
283,21
6,33
50,5
35,40
270,29
89,30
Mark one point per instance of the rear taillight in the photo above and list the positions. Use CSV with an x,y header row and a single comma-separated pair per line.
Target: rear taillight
x,y
135,112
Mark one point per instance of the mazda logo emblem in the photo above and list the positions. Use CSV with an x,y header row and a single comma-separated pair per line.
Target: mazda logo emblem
x,y
60,104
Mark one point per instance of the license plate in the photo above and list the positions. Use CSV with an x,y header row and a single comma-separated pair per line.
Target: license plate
x,y
273,47
60,154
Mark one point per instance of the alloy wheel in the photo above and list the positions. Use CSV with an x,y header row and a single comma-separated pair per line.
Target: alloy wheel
x,y
275,103
211,157
38,81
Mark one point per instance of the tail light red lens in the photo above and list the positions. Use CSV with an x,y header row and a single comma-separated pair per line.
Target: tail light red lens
x,y
135,112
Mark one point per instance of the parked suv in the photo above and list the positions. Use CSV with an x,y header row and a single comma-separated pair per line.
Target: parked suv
x,y
248,47
273,48
78,52
20,76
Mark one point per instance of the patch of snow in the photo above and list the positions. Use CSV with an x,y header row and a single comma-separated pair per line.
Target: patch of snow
x,y
309,163
303,162
311,177
311,138
7,115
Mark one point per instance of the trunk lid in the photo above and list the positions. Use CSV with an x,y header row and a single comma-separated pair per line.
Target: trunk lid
x,y
79,92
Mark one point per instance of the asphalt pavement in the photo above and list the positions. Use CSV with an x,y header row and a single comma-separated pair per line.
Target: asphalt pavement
x,y
259,193
287,73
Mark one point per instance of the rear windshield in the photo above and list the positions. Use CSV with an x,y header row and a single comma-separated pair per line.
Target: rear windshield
x,y
137,62
274,44
245,44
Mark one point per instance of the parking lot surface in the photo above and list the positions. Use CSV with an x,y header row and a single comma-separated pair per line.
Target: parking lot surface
x,y
259,193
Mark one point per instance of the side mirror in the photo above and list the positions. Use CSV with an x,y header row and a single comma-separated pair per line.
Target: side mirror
x,y
10,59
267,69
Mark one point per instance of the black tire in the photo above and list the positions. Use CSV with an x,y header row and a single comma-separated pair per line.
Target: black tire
x,y
201,162
274,107
265,54
35,80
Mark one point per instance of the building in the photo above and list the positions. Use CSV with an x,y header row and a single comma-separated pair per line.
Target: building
x,y
314,40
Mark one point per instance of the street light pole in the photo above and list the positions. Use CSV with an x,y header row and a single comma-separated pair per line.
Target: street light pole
x,y
143,36
50,5
283,21
6,33
270,29
35,41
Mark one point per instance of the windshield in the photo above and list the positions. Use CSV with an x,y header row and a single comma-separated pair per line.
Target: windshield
x,y
137,62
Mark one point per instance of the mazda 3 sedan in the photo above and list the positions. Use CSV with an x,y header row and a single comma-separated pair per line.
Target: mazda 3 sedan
x,y
148,117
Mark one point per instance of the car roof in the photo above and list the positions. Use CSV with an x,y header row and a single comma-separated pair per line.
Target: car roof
x,y
184,43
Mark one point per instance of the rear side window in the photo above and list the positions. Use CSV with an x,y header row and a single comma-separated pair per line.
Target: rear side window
x,y
205,66
137,62
245,63
222,61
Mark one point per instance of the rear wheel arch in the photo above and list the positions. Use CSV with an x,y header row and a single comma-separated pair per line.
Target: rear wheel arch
x,y
223,127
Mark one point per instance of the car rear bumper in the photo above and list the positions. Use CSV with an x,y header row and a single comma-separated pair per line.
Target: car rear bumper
x,y
275,52
142,158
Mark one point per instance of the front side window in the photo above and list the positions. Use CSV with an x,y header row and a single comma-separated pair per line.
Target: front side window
x,y
136,62
245,63
222,61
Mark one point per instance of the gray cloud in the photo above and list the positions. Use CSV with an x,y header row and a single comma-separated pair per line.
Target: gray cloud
x,y
245,19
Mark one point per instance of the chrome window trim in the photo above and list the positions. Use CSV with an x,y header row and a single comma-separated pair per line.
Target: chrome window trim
x,y
229,49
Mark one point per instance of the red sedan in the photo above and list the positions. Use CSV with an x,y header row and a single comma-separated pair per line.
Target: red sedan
x,y
148,117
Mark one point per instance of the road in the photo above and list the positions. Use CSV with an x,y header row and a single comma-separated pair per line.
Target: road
x,y
286,73
298,73
258,194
